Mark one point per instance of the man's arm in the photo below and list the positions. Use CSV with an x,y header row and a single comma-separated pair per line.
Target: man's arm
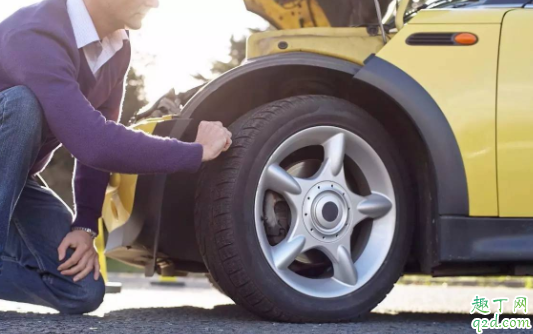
x,y
42,64
90,184
89,192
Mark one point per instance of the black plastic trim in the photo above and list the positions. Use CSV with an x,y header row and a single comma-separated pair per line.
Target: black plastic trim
x,y
258,64
468,239
431,39
452,189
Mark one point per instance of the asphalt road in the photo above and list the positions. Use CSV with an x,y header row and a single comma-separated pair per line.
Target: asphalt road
x,y
197,308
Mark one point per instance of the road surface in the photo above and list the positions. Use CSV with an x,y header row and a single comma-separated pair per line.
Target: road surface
x,y
195,307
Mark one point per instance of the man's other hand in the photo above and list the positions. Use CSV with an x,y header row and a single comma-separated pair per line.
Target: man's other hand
x,y
85,257
215,139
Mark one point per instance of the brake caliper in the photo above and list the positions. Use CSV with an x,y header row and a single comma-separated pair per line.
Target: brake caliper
x,y
276,217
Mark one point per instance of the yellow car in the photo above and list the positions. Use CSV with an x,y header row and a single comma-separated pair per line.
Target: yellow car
x,y
362,151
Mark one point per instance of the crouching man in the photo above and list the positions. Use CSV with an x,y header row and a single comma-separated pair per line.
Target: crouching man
x,y
62,69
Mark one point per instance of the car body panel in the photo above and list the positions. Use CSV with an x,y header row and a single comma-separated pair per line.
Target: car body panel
x,y
352,44
515,116
434,129
461,16
463,83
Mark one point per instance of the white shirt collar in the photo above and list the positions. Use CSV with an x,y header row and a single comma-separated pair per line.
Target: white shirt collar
x,y
97,54
84,29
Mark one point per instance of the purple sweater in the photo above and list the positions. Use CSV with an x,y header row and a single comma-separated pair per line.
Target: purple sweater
x,y
38,50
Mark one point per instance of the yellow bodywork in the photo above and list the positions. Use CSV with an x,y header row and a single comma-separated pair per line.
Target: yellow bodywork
x,y
120,193
352,44
515,116
467,16
462,80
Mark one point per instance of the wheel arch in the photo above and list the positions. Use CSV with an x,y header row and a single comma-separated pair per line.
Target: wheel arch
x,y
264,80
404,108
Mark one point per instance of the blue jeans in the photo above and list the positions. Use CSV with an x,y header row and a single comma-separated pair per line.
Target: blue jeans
x,y
33,219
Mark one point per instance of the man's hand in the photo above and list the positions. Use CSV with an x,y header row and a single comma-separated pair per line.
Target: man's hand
x,y
215,139
85,258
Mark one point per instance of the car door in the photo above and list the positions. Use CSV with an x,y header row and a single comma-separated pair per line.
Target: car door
x,y
515,115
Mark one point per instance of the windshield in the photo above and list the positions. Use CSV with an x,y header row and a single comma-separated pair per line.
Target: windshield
x,y
417,5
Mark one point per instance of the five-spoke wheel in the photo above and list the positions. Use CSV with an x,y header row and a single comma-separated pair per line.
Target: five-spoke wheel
x,y
325,211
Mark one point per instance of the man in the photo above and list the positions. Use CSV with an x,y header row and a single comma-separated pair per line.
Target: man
x,y
62,68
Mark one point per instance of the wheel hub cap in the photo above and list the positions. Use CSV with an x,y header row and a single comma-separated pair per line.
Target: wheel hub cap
x,y
326,211
330,211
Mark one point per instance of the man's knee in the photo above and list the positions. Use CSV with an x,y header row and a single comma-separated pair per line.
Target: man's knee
x,y
20,108
88,297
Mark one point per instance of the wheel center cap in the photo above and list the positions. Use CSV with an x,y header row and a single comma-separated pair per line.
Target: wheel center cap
x,y
330,211
327,213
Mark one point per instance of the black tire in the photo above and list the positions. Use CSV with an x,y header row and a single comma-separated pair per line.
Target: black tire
x,y
224,212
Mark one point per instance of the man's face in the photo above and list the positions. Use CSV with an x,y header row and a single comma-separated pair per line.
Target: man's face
x,y
129,13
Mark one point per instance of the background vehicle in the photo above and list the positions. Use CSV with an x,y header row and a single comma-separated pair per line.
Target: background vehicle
x,y
360,153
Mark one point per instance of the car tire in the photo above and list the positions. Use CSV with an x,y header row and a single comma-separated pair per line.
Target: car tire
x,y
230,238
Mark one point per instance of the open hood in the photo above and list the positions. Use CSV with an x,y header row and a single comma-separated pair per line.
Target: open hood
x,y
294,14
